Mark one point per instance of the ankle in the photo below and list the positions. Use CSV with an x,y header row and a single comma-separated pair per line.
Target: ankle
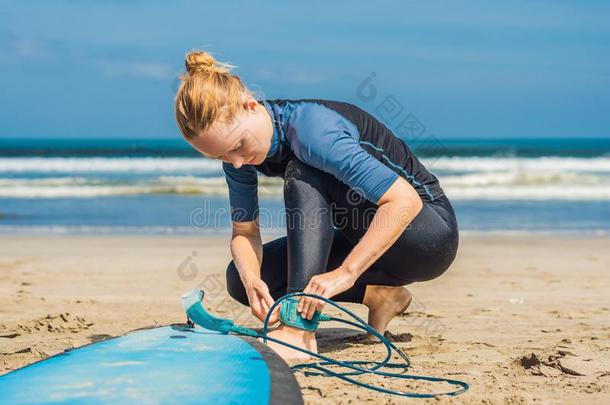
x,y
290,330
377,295
373,295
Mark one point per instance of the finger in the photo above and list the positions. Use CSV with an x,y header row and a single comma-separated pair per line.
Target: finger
x,y
269,301
256,308
320,305
275,317
264,310
302,299
314,303
259,315
312,288
263,301
307,304
312,308
255,305
303,305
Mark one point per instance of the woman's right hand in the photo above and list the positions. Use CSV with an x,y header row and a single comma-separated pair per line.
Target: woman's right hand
x,y
260,300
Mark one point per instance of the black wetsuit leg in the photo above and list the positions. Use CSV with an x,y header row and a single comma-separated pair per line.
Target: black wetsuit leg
x,y
324,221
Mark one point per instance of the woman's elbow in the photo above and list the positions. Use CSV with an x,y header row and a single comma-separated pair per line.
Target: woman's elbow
x,y
417,203
413,204
404,197
403,194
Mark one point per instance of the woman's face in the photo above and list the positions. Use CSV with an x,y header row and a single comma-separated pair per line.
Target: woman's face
x,y
245,141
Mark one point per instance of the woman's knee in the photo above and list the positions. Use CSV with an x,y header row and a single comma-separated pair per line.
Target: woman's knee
x,y
235,287
424,251
434,263
297,169
301,178
306,197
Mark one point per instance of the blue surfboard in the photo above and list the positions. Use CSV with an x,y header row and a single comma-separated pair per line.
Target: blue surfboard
x,y
166,365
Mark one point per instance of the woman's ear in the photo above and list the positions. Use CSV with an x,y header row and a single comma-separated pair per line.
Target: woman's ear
x,y
249,102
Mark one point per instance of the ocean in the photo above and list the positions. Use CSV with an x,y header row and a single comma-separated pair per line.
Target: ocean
x,y
116,186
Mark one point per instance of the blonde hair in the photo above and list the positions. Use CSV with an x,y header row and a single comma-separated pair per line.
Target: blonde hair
x,y
208,93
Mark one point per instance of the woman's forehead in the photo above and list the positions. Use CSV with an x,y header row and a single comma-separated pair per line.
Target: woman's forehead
x,y
232,129
216,140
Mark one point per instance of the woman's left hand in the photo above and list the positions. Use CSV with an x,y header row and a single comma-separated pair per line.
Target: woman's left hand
x,y
326,285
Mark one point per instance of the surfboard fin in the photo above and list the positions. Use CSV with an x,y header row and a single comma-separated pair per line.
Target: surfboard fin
x,y
192,302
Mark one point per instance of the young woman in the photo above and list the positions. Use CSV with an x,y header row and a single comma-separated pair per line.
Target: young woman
x,y
363,215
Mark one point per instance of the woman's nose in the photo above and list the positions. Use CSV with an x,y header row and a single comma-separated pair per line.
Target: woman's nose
x,y
237,162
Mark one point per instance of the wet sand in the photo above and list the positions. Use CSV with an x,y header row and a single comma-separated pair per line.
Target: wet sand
x,y
521,318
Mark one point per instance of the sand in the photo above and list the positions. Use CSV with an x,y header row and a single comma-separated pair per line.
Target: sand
x,y
522,318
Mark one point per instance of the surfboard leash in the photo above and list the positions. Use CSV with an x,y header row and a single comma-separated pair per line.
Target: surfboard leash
x,y
196,313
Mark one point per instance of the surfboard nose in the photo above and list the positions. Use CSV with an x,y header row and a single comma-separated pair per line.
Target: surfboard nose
x,y
162,365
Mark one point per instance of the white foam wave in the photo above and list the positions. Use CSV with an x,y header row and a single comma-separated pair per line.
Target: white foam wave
x,y
495,164
123,230
510,178
534,193
461,178
202,165
79,187
109,165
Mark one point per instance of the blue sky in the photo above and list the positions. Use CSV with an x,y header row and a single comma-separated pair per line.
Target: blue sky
x,y
464,69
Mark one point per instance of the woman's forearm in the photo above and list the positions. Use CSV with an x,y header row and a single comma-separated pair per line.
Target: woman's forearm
x,y
247,252
389,222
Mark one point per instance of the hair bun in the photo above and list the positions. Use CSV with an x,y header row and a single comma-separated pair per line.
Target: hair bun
x,y
201,61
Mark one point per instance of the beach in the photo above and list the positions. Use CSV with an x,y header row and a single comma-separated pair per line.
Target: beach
x,y
135,135
520,317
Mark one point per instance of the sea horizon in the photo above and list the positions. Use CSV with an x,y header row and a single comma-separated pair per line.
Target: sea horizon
x,y
156,186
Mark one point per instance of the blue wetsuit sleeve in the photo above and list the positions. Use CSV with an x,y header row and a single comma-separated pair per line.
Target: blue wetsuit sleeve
x,y
243,191
336,151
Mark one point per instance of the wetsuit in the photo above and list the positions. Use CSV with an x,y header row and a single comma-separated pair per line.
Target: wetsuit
x,y
337,161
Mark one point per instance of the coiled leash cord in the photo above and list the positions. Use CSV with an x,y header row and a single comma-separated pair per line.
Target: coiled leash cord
x,y
192,303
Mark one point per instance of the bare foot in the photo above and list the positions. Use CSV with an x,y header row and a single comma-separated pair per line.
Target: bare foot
x,y
384,304
296,337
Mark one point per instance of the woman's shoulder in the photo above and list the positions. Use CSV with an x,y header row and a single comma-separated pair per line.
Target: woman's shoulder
x,y
311,115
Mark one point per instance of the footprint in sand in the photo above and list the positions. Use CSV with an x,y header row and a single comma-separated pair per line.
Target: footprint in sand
x,y
398,337
59,323
558,361
416,314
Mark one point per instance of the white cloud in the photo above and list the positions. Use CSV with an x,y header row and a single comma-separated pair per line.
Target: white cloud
x,y
30,48
141,69
290,74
